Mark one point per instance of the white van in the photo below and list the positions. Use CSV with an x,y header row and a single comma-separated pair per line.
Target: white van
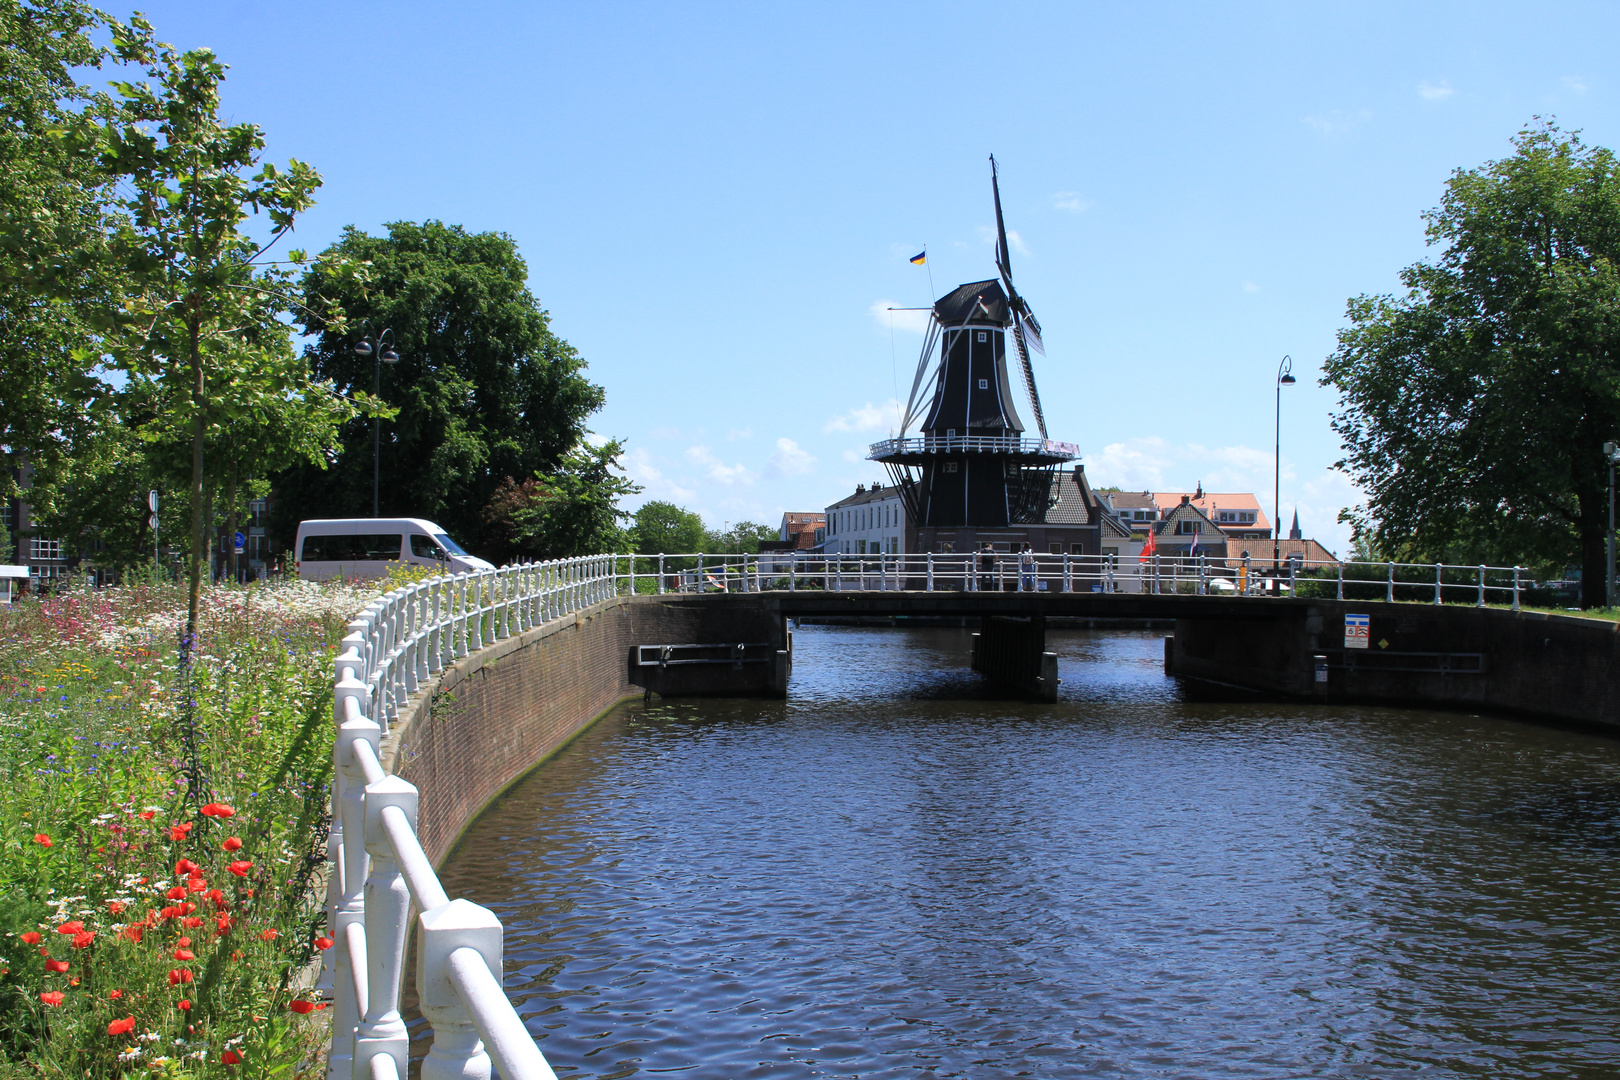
x,y
365,547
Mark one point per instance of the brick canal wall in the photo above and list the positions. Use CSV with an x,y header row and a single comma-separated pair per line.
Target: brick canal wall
x,y
1551,667
491,717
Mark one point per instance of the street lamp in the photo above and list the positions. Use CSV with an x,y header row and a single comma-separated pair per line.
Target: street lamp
x,y
1285,377
363,347
1611,453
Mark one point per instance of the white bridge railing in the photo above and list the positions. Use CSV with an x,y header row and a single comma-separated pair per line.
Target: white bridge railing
x,y
394,646
400,641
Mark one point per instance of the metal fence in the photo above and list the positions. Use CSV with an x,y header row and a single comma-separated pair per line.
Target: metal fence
x,y
400,641
992,571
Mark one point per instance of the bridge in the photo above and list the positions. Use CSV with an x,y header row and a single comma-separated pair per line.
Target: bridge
x,y
450,689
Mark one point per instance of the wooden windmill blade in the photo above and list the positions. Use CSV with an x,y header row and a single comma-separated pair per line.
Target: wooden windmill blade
x,y
1026,329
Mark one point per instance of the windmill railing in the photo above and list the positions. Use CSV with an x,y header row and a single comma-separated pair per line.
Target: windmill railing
x,y
998,571
396,646
974,444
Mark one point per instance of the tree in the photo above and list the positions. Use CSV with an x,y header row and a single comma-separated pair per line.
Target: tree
x,y
1473,409
664,528
485,391
744,536
573,511
53,204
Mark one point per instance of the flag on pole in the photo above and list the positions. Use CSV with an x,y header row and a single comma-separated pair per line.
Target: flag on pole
x,y
1150,549
1194,549
920,258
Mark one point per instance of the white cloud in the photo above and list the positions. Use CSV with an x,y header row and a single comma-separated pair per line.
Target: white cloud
x,y
790,460
1575,84
911,320
740,433
598,441
1017,242
868,417
1071,201
1439,91
1338,122
641,467
718,470
854,455
1249,286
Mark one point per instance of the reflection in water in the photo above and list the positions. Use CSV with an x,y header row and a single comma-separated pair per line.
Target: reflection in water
x,y
894,874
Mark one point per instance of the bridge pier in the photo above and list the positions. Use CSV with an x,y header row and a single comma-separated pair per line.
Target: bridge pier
x,y
692,647
1010,651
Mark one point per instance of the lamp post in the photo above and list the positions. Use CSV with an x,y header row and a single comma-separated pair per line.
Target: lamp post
x,y
365,347
1285,377
1611,453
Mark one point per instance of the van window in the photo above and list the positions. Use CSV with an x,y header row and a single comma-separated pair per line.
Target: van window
x,y
448,544
424,548
364,547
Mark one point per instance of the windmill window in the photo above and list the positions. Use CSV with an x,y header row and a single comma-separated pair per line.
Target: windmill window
x,y
984,384
984,336
950,466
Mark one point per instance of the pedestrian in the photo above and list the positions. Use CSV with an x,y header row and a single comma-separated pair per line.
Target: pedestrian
x,y
1026,569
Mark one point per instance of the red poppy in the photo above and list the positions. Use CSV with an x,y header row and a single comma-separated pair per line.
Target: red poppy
x,y
82,941
147,815
219,810
56,965
323,943
53,998
70,927
184,942
184,1004
171,913
115,906
192,923
187,908
44,951
268,935
42,840
195,884
240,867
185,867
215,897
184,954
178,832
301,1007
232,843
134,931
121,1027
30,938
180,975
231,1057
177,892
114,995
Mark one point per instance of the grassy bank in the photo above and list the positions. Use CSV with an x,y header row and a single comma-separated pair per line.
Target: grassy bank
x,y
163,829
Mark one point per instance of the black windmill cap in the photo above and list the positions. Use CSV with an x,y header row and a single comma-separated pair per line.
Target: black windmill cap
x,y
960,305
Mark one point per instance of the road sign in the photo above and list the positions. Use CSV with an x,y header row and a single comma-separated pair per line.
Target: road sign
x,y
1357,631
151,501
151,521
241,543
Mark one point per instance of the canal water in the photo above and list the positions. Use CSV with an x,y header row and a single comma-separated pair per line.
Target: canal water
x,y
895,874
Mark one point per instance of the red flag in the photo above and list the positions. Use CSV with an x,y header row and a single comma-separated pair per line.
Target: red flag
x,y
1150,549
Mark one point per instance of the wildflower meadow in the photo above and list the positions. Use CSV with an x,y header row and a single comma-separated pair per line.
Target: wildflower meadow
x,y
164,827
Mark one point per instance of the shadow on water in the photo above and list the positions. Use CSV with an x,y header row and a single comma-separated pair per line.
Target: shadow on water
x,y
896,873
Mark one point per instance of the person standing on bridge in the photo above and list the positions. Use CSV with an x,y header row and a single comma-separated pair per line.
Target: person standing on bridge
x,y
1026,569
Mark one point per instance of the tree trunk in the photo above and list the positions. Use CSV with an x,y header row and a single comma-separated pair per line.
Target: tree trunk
x,y
199,393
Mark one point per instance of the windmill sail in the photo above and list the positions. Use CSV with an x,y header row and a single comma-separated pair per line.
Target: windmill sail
x,y
1026,329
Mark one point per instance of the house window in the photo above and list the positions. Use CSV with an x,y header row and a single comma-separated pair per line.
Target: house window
x,y
1080,549
1055,549
984,384
983,336
47,549
1189,528
950,466
950,433
946,547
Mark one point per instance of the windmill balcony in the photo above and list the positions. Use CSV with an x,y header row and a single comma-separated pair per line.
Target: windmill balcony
x,y
918,447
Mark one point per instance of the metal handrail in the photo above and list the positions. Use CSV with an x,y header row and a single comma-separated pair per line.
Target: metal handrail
x,y
974,444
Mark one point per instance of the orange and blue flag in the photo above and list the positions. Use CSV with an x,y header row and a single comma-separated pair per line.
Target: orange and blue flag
x,y
920,258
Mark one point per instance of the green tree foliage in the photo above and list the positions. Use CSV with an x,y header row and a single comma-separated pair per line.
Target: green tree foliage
x,y
664,528
200,330
53,203
484,390
1474,407
743,536
573,511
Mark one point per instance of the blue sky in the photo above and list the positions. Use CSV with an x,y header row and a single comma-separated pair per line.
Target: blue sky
x,y
717,202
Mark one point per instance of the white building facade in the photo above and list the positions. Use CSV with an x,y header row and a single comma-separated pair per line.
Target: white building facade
x,y
869,522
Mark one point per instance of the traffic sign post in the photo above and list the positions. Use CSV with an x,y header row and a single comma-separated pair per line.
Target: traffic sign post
x,y
152,504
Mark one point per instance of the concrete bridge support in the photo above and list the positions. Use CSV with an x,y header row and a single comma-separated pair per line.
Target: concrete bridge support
x,y
1011,651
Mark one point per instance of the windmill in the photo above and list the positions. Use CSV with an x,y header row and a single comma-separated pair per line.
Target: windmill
x,y
972,466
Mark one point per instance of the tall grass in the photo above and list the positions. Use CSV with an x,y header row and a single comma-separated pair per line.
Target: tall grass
x,y
162,829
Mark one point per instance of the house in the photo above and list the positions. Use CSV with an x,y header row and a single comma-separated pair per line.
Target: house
x,y
869,522
1134,510
1237,514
